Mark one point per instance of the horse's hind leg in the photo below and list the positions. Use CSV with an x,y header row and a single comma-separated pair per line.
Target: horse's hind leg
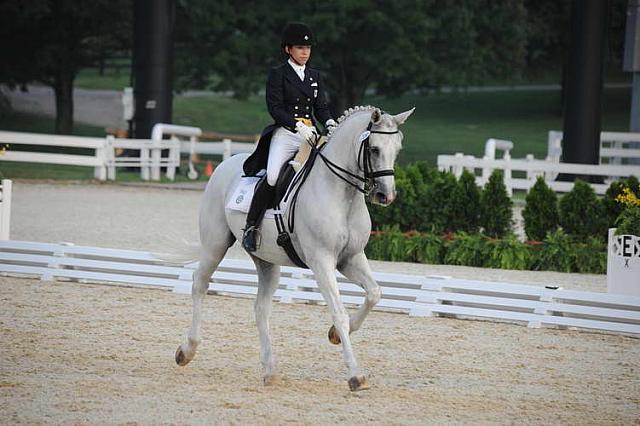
x,y
357,269
268,279
211,253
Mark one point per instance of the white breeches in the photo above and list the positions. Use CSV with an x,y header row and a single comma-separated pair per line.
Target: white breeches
x,y
284,145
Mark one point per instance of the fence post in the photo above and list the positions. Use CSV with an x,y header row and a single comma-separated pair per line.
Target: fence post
x,y
171,159
111,158
5,209
144,160
227,149
100,172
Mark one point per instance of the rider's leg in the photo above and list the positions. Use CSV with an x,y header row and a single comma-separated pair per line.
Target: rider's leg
x,y
262,198
284,144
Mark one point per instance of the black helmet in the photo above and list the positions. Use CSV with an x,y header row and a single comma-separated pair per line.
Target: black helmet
x,y
297,34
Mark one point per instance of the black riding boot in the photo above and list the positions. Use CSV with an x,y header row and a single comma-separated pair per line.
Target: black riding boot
x,y
262,199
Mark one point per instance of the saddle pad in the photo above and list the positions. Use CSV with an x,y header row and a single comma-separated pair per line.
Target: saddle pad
x,y
243,194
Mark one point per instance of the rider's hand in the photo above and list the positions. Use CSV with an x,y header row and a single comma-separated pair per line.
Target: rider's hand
x,y
330,124
306,132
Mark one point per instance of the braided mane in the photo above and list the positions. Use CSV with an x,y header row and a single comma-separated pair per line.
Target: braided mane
x,y
348,113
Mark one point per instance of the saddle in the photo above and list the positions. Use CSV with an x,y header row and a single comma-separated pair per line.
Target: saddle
x,y
287,173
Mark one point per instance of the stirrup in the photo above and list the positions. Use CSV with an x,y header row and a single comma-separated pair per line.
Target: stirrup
x,y
250,238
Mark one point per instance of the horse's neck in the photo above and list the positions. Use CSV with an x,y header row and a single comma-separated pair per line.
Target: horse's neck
x,y
342,150
343,147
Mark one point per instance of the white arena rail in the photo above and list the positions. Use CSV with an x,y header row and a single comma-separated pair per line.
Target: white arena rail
x,y
97,159
615,147
226,147
532,168
412,294
5,208
147,159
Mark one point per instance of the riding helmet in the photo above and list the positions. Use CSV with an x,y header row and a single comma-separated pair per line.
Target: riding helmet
x,y
297,34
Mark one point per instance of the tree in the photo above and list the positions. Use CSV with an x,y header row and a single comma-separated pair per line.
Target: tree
x,y
496,206
390,46
541,211
49,41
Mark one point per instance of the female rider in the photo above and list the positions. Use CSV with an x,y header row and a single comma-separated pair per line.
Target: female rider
x,y
295,98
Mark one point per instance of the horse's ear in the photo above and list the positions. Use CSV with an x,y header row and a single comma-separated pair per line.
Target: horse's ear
x,y
402,117
375,116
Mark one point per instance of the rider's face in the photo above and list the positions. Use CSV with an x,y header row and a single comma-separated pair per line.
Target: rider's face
x,y
299,54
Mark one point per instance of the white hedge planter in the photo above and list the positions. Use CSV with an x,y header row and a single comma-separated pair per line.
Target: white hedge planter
x,y
623,264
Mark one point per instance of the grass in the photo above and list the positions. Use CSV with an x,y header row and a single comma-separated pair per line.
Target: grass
x,y
112,79
442,124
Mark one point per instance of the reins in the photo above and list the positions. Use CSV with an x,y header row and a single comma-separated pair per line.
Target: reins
x,y
368,180
364,164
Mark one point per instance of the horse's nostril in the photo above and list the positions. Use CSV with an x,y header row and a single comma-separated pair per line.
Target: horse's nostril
x,y
381,197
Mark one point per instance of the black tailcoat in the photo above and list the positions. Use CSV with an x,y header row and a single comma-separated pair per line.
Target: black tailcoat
x,y
288,98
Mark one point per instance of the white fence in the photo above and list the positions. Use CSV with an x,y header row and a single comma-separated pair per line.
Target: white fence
x,y
97,159
615,147
412,294
102,156
5,209
521,174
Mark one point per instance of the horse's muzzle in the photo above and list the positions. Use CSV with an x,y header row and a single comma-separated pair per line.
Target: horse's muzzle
x,y
384,199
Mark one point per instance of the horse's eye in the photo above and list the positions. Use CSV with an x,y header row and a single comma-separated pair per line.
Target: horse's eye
x,y
375,150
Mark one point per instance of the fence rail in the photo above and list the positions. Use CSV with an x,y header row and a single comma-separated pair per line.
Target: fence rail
x,y
5,208
103,157
412,294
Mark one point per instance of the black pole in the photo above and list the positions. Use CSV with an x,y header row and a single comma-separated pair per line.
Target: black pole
x,y
583,104
154,22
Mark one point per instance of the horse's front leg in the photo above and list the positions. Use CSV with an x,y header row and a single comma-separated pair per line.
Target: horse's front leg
x,y
357,269
325,275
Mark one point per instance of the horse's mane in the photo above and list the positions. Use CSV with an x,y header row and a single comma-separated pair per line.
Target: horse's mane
x,y
351,111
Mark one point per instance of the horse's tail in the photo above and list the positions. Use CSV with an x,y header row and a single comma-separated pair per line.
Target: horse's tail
x,y
188,253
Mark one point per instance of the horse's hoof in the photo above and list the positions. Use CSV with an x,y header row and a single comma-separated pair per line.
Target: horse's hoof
x,y
333,336
181,359
358,383
270,380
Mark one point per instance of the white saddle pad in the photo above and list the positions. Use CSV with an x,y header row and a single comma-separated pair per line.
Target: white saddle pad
x,y
243,194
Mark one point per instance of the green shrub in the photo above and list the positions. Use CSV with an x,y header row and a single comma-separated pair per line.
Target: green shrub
x,y
541,211
507,253
629,221
388,244
590,257
581,214
466,249
465,205
496,207
555,254
437,200
425,248
612,206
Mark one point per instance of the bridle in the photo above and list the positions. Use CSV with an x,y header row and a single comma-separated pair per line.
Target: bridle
x,y
364,164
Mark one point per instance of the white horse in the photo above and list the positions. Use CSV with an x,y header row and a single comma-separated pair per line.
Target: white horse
x,y
331,230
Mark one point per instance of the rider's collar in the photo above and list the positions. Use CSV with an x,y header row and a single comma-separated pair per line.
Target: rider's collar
x,y
299,69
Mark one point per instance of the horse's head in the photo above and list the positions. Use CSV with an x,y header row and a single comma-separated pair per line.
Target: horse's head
x,y
385,142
